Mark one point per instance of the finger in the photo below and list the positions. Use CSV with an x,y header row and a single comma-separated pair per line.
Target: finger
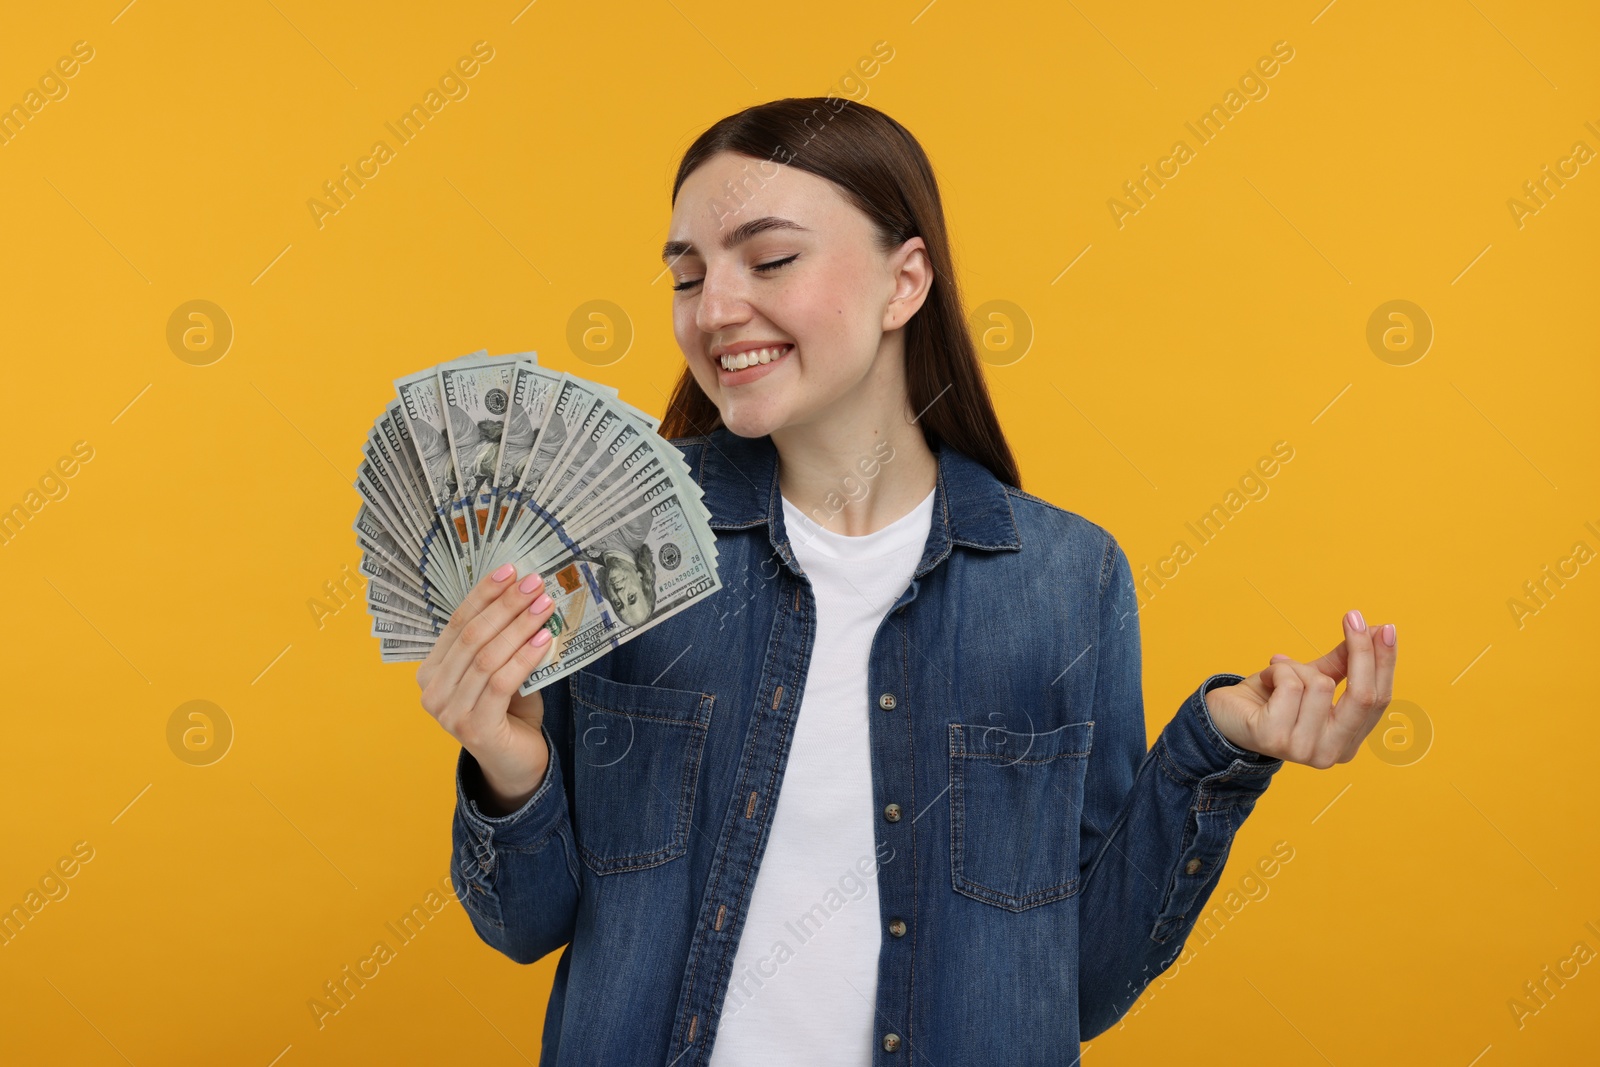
x,y
488,587
1336,663
481,696
1276,721
1384,655
1357,708
1265,678
478,631
1315,713
519,636
507,681
529,707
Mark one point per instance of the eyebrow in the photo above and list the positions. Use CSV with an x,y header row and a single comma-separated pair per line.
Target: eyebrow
x,y
739,234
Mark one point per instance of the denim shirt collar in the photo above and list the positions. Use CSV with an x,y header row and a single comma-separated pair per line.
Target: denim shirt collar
x,y
971,507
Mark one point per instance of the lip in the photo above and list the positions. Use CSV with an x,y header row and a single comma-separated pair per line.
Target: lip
x,y
729,378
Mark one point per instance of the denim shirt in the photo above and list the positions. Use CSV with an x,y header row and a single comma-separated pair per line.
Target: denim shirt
x,y
1037,866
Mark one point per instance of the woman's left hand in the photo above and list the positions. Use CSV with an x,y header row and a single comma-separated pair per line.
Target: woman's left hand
x,y
1286,710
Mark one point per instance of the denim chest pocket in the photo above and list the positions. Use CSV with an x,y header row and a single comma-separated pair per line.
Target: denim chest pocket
x,y
1016,802
636,752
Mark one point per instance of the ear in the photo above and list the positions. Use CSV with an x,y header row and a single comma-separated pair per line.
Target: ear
x,y
912,273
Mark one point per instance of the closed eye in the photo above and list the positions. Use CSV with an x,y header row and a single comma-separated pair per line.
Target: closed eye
x,y
774,265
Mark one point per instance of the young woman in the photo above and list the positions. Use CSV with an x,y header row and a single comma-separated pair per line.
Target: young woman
x,y
886,797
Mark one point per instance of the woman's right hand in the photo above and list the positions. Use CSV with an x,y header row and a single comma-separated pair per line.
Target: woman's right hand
x,y
469,683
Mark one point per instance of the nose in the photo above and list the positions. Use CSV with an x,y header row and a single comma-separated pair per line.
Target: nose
x,y
722,303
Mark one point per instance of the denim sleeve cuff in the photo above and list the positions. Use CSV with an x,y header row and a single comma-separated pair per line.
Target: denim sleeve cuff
x,y
530,824
1196,749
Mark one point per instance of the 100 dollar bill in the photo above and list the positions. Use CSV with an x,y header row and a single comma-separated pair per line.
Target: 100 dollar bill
x,y
620,580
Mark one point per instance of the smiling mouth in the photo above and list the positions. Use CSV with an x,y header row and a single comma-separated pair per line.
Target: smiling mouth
x,y
754,357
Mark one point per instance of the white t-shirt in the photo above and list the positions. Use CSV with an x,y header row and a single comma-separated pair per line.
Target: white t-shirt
x,y
805,975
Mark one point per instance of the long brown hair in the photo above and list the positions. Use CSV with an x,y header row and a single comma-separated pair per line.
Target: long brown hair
x,y
881,169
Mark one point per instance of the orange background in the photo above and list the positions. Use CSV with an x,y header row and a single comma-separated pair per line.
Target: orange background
x,y
185,559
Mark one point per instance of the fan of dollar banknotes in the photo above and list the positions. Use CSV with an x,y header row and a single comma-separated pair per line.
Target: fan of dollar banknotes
x,y
486,460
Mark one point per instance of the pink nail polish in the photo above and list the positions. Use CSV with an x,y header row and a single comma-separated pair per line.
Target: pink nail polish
x,y
530,583
1357,623
540,639
1389,636
504,572
540,605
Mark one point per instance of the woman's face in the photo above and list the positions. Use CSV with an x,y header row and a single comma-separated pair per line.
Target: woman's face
x,y
802,273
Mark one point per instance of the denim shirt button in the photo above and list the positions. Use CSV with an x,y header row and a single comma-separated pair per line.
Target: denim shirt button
x,y
892,812
886,702
1191,867
897,927
891,1042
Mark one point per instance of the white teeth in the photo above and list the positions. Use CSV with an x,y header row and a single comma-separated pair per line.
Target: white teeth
x,y
752,358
